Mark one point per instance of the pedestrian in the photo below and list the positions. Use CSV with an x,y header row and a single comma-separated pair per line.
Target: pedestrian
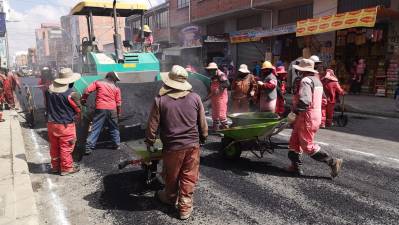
x,y
256,70
396,97
281,90
10,84
267,87
306,116
218,95
179,115
243,89
108,110
62,105
332,90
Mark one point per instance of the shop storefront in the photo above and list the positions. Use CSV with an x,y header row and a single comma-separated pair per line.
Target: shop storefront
x,y
366,52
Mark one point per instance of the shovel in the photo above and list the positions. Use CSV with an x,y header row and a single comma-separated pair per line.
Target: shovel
x,y
342,119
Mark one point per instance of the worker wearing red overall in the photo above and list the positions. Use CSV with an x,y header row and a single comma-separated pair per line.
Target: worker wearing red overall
x,y
281,90
267,87
2,79
243,89
332,89
307,122
218,95
10,85
62,105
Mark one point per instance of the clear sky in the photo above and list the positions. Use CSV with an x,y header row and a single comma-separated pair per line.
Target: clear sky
x,y
31,13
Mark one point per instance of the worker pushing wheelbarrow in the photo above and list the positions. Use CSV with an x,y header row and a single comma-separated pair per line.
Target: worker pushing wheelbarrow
x,y
253,132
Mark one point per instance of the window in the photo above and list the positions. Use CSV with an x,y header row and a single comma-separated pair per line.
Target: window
x,y
350,5
249,22
292,15
182,3
161,20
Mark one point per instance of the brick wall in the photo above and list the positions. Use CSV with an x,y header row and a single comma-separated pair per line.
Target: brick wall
x,y
177,17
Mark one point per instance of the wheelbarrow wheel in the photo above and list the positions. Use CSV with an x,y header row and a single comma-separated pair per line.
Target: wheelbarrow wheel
x,y
230,151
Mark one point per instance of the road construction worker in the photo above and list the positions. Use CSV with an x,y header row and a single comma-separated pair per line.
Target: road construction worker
x,y
62,105
332,90
218,95
179,115
267,87
243,89
306,117
281,90
2,78
10,85
148,40
108,110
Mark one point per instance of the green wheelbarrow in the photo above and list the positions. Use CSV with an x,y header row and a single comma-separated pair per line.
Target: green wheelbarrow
x,y
249,118
254,137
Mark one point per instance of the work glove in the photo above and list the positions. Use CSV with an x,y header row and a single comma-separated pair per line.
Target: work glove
x,y
260,83
291,117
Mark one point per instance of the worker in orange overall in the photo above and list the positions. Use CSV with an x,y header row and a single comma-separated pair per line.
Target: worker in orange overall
x,y
2,78
10,85
243,89
62,105
281,90
306,116
267,87
332,90
218,95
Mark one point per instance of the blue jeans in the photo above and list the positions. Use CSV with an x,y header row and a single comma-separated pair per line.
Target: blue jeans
x,y
101,117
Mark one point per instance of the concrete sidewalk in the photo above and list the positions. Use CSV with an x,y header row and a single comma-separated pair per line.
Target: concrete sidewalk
x,y
370,105
17,200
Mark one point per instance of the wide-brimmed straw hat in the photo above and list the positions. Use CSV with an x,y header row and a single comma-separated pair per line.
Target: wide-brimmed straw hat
x,y
267,65
305,65
243,69
177,79
212,66
67,76
113,75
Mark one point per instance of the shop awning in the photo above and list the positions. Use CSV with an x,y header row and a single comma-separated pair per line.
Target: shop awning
x,y
255,35
176,51
359,18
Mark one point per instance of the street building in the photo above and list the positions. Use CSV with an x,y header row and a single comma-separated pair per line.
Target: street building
x,y
32,58
48,39
21,60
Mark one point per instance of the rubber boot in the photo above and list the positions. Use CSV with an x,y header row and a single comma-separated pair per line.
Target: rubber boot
x,y
334,163
296,163
215,125
224,124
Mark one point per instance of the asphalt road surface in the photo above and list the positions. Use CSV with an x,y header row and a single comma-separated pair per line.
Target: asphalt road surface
x,y
247,191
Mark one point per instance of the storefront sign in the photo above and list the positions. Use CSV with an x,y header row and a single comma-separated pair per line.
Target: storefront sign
x,y
2,24
359,18
216,39
243,36
190,37
280,30
256,35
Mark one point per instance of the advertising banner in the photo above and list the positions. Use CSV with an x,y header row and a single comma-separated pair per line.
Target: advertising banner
x,y
359,18
3,29
256,35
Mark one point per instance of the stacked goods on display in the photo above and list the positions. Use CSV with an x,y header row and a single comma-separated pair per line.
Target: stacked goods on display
x,y
380,80
392,74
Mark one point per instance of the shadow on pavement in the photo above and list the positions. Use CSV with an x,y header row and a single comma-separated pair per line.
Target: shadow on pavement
x,y
128,192
39,168
243,166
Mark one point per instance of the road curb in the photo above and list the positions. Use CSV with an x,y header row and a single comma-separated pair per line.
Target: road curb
x,y
349,108
25,202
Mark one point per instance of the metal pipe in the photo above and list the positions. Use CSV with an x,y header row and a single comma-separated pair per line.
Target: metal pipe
x,y
88,26
93,37
141,30
189,12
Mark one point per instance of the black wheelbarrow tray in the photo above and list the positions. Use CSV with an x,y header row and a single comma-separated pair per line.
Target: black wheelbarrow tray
x,y
254,137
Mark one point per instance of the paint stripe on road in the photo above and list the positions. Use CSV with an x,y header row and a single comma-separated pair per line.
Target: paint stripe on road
x,y
359,152
56,201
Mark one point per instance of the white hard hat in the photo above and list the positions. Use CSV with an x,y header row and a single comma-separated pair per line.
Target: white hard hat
x,y
315,59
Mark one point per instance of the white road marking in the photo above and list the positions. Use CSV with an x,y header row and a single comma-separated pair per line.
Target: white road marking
x,y
322,143
359,152
56,201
